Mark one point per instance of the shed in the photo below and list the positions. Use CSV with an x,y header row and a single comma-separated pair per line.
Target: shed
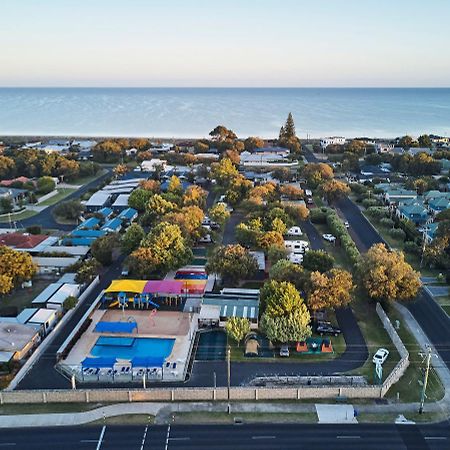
x,y
128,215
18,339
89,224
44,318
105,212
121,202
98,200
54,264
112,225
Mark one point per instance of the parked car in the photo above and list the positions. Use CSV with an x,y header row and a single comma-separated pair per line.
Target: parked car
x,y
205,239
284,351
329,237
329,329
124,272
295,258
294,231
346,224
380,356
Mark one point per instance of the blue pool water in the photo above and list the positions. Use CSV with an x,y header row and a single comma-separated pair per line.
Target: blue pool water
x,y
129,348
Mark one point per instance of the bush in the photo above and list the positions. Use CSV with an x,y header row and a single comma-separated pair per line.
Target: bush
x,y
386,222
318,215
368,202
69,210
34,229
45,185
377,212
70,302
397,233
412,247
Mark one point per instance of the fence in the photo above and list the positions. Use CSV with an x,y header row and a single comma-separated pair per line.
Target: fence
x,y
49,338
189,394
403,364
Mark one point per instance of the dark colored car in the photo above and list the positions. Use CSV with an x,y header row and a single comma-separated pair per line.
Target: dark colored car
x,y
325,328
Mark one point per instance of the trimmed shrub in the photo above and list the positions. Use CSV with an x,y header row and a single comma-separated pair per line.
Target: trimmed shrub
x,y
386,222
397,233
412,247
318,215
368,202
377,212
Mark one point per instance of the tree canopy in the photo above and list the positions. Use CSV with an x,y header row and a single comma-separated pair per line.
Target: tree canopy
x,y
15,267
332,289
318,260
334,189
232,262
237,328
387,276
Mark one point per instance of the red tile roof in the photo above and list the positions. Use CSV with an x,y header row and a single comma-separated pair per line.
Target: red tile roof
x,y
19,240
10,182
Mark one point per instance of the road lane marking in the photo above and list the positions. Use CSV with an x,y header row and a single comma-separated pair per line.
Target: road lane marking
x,y
10,444
263,437
144,437
89,441
167,438
100,440
348,437
179,439
436,438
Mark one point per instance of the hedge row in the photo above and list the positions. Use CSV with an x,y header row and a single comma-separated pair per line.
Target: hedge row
x,y
339,230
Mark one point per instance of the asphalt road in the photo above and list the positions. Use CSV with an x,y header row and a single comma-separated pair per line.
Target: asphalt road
x,y
432,319
45,218
222,437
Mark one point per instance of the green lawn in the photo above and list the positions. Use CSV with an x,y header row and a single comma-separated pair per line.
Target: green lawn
x,y
219,417
22,298
86,180
409,387
18,216
62,194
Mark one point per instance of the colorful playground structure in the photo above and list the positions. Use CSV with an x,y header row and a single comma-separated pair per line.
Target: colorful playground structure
x,y
314,345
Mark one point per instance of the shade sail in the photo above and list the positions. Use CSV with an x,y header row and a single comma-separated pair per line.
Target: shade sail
x,y
172,287
115,327
135,286
98,362
147,361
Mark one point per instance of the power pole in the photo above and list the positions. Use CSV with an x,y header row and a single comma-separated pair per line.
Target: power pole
x,y
424,243
425,381
228,376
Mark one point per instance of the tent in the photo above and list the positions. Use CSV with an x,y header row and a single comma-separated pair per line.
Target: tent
x,y
115,327
98,362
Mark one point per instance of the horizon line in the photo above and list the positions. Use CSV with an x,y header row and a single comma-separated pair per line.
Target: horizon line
x,y
223,87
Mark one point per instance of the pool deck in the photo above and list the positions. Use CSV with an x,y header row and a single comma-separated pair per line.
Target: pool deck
x,y
164,324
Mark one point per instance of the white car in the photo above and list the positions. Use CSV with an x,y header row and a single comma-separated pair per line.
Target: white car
x,y
205,239
380,356
284,351
347,225
295,258
329,237
294,231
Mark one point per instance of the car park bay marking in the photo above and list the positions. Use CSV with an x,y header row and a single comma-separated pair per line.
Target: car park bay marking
x,y
348,437
263,437
100,440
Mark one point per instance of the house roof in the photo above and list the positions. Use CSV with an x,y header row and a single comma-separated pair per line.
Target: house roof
x,y
22,240
121,200
105,212
87,233
127,214
112,224
15,336
89,224
21,179
98,199
415,209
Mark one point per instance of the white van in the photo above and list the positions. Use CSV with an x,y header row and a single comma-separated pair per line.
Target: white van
x,y
296,246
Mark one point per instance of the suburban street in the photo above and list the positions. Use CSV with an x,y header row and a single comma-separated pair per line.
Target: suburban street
x,y
222,437
430,316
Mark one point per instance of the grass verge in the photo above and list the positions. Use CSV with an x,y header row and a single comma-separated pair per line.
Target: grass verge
x,y
62,194
18,216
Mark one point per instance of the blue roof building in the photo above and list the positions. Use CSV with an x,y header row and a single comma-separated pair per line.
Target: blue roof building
x,y
414,211
83,241
112,225
87,233
128,215
105,212
89,224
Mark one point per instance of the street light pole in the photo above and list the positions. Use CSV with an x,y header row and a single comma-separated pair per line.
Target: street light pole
x,y
228,376
424,242
425,381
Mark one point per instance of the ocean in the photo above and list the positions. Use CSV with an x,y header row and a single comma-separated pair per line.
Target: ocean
x,y
193,112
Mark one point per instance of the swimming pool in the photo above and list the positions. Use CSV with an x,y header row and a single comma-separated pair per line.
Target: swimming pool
x,y
154,349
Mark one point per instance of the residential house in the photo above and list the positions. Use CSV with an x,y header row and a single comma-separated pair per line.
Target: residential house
x,y
333,140
112,225
16,196
384,147
415,211
430,231
128,215
98,200
17,341
413,151
90,224
106,212
399,196
436,205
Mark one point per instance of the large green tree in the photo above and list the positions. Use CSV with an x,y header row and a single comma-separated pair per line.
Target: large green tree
x,y
279,298
318,260
292,327
332,289
237,328
386,275
132,238
232,262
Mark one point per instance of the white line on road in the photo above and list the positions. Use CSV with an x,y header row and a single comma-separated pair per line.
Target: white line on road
x,y
167,438
436,438
180,439
10,444
100,440
348,437
144,437
89,441
263,437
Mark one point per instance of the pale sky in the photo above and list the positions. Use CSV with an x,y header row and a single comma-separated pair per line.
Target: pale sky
x,y
198,43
